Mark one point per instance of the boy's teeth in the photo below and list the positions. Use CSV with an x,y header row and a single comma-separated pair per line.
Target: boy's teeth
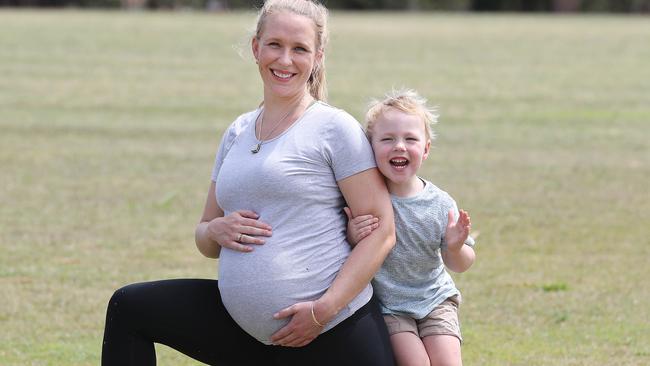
x,y
399,162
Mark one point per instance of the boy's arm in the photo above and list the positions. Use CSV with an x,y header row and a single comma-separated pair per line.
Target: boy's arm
x,y
359,227
457,256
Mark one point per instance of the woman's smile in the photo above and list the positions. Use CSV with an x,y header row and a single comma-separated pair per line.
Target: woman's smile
x,y
282,75
286,53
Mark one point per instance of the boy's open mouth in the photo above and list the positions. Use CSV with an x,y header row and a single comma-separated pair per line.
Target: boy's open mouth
x,y
399,162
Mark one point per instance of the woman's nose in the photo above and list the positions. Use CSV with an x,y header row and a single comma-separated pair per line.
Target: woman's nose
x,y
285,57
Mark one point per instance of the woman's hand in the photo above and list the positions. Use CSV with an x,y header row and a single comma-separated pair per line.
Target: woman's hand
x,y
304,327
359,227
238,231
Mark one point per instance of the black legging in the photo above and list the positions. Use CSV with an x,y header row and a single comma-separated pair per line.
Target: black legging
x,y
188,315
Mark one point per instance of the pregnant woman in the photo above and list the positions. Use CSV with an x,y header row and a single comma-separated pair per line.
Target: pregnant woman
x,y
291,291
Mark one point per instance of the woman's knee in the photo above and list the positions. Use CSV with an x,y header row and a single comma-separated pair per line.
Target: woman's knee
x,y
122,302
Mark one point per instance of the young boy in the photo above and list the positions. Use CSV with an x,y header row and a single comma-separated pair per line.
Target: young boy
x,y
418,297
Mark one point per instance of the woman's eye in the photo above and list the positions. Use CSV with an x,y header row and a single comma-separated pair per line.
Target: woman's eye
x,y
301,49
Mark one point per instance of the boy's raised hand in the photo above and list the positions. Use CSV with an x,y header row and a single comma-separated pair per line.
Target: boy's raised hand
x,y
457,231
359,227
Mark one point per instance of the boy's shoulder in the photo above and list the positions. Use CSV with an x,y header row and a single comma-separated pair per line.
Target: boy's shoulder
x,y
432,200
433,192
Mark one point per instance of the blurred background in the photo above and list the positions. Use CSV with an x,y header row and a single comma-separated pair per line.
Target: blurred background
x,y
109,121
618,6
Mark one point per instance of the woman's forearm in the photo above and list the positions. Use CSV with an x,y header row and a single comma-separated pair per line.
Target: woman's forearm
x,y
204,244
365,194
362,264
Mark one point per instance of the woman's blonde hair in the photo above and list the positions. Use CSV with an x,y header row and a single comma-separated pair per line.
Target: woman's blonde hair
x,y
404,100
318,14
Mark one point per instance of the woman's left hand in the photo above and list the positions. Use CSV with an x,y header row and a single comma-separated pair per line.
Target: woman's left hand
x,y
301,330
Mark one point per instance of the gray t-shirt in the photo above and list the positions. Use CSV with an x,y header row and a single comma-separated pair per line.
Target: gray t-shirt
x,y
413,280
291,183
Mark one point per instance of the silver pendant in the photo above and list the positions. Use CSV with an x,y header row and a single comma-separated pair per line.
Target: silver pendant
x,y
256,148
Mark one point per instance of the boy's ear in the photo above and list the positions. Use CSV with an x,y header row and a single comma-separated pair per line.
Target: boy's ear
x,y
427,148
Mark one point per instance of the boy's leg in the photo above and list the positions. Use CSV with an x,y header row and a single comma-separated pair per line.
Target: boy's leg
x,y
407,345
443,350
409,350
440,332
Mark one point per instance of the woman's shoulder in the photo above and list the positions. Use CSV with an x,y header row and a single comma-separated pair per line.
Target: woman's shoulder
x,y
331,117
237,127
244,120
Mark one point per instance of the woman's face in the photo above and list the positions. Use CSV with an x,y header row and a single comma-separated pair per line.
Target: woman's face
x,y
286,53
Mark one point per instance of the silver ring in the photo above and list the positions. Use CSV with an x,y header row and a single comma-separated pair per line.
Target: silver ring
x,y
239,237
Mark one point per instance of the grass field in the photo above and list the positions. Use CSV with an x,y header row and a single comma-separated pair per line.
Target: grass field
x,y
109,122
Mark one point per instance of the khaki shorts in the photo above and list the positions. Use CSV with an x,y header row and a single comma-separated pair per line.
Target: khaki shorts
x,y
443,320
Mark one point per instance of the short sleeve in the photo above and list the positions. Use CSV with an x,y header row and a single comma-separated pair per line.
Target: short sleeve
x,y
347,148
229,137
226,141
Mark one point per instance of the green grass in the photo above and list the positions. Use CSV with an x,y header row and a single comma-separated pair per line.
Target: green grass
x,y
109,122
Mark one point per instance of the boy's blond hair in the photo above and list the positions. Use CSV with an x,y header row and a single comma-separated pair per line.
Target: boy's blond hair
x,y
404,100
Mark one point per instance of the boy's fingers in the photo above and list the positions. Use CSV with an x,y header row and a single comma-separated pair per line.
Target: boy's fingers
x,y
362,218
370,222
348,212
464,216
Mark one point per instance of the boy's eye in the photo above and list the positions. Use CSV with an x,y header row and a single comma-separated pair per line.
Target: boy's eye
x,y
386,139
411,139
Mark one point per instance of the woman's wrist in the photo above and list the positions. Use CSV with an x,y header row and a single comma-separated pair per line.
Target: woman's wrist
x,y
322,312
455,248
204,243
313,316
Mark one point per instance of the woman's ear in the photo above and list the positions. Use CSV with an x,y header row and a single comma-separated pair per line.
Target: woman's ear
x,y
255,47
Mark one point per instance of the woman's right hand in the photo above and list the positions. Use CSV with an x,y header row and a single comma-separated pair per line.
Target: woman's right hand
x,y
238,230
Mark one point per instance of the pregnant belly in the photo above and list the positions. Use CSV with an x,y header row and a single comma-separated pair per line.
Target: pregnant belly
x,y
254,287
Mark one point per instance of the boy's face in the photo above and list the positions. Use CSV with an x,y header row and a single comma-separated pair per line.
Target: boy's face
x,y
401,144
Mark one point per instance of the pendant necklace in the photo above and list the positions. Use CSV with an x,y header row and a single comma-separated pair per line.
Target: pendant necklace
x,y
256,148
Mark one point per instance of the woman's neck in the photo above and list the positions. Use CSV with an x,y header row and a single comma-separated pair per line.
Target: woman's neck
x,y
278,105
279,114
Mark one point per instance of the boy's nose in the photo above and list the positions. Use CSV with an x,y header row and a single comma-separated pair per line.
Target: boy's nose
x,y
399,146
